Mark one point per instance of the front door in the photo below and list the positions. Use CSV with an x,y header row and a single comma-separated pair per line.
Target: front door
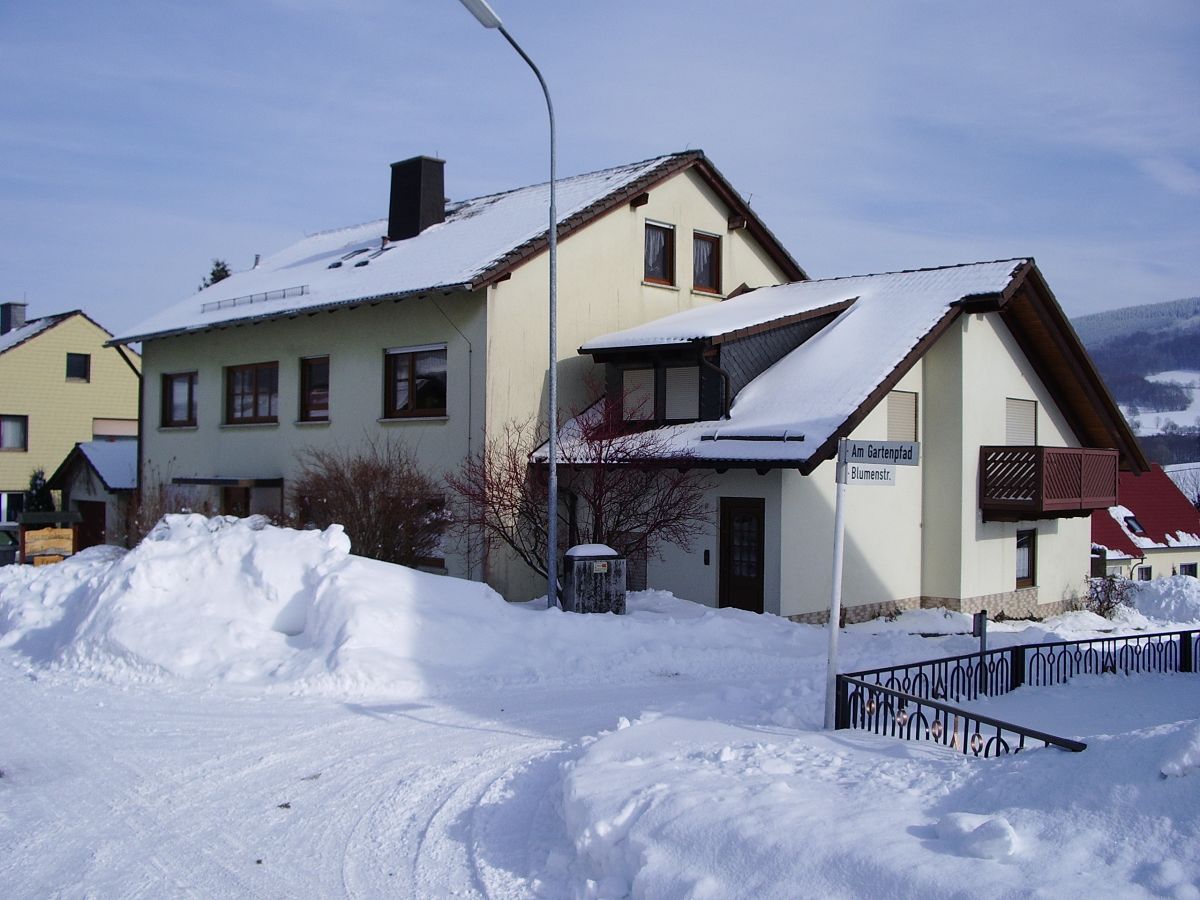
x,y
741,577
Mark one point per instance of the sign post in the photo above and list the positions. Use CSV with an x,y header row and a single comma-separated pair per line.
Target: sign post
x,y
858,462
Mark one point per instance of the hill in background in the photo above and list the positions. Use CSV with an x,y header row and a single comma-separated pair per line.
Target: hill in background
x,y
1132,347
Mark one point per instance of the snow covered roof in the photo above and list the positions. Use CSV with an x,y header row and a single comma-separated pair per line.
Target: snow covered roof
x,y
840,367
479,240
1153,515
30,329
113,459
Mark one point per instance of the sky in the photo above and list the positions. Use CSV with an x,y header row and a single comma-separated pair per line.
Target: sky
x,y
141,140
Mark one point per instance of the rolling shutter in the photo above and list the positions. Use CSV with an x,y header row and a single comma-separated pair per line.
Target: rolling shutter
x,y
638,400
1020,423
902,416
683,393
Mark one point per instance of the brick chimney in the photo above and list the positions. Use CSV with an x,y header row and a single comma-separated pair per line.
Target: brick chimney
x,y
12,316
418,197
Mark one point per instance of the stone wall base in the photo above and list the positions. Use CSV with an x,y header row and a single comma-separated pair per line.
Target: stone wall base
x,y
1019,604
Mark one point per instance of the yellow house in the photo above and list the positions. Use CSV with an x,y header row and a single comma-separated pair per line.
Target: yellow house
x,y
59,384
430,327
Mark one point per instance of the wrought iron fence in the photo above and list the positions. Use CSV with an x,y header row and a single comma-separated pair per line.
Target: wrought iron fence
x,y
882,710
889,699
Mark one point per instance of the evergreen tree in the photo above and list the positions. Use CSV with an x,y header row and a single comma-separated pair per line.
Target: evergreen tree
x,y
39,498
219,272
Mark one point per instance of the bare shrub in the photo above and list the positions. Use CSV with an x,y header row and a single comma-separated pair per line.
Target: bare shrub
x,y
626,489
1109,593
391,510
156,498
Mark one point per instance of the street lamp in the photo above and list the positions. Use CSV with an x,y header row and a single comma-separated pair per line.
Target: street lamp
x,y
488,19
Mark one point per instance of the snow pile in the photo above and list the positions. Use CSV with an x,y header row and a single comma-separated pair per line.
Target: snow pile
x,y
223,599
1186,758
242,601
1173,599
682,805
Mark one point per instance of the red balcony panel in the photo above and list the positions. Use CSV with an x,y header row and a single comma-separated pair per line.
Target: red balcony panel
x,y
1045,482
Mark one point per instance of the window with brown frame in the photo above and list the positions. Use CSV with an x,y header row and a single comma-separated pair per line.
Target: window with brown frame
x,y
706,263
252,394
314,389
1188,569
179,400
660,254
414,383
1026,558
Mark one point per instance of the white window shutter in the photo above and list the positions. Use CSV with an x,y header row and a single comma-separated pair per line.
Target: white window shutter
x,y
902,416
683,393
1020,423
638,389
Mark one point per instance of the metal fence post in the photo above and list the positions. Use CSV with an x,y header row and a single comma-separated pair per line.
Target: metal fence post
x,y
1016,667
1186,663
842,713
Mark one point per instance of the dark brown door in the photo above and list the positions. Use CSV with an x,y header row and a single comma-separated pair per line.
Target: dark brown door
x,y
742,553
235,501
91,529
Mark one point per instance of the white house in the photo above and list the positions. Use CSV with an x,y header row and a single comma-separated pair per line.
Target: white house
x,y
1019,440
429,326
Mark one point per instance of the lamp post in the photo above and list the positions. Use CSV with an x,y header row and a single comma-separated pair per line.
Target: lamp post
x,y
488,19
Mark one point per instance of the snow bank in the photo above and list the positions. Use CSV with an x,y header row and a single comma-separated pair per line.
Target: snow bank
x,y
241,601
684,805
1172,599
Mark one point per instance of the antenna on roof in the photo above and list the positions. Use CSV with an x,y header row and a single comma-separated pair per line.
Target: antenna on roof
x,y
257,257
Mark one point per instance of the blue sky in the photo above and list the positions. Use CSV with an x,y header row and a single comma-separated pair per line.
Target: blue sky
x,y
142,139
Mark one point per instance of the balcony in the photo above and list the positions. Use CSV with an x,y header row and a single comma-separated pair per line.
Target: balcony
x,y
1018,483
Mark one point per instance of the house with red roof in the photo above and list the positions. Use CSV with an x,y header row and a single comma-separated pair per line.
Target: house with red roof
x,y
1154,531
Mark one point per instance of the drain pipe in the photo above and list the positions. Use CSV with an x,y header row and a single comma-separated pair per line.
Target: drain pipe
x,y
728,384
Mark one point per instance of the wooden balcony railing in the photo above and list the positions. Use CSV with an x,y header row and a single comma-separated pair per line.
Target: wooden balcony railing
x,y
1045,482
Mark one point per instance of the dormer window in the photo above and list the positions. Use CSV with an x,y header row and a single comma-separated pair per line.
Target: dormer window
x,y
660,395
682,394
637,395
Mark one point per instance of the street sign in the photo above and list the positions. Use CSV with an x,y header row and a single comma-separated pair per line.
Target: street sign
x,y
883,453
864,474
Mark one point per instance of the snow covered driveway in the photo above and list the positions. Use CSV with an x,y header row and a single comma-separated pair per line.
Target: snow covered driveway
x,y
149,792
233,710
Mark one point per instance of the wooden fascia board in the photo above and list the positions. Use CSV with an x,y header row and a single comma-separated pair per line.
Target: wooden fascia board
x,y
608,204
829,449
783,321
621,199
1073,353
754,224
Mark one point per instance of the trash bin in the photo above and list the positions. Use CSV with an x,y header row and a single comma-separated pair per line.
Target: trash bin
x,y
594,580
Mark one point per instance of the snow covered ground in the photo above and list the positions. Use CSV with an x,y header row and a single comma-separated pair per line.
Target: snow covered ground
x,y
236,710
1188,417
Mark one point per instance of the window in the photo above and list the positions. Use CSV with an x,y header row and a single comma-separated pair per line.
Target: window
x,y
79,367
1026,558
415,382
660,254
1020,423
682,394
179,400
902,416
314,389
1145,573
1187,569
1134,526
252,394
637,399
14,433
11,505
706,262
